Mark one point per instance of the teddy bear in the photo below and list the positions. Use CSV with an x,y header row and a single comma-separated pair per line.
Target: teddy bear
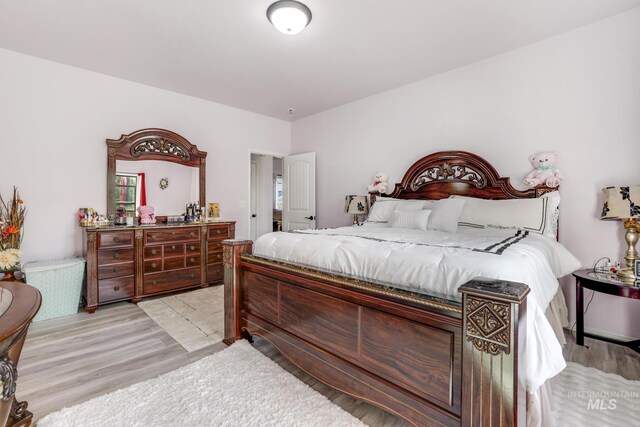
x,y
545,172
379,183
146,215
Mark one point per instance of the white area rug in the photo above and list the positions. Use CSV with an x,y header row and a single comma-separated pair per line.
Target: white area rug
x,y
194,319
237,386
589,397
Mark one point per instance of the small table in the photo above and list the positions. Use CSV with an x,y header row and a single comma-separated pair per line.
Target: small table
x,y
605,283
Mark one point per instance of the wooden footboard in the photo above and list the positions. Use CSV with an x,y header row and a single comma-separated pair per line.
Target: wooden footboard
x,y
430,361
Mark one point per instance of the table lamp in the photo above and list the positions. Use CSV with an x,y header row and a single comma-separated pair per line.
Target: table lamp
x,y
620,203
356,205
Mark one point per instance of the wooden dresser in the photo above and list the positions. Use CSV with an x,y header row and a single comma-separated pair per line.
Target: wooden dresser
x,y
130,263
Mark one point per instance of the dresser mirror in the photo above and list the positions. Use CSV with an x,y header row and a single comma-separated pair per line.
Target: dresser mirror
x,y
154,167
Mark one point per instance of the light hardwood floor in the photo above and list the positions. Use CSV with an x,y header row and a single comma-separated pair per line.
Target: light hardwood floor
x,y
75,358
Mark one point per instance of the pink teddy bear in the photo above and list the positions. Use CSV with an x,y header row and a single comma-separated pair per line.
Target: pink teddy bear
x,y
545,171
146,215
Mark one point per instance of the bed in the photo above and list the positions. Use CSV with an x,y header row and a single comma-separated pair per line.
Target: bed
x,y
427,330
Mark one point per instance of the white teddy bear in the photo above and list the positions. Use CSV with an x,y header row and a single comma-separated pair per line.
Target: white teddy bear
x,y
380,183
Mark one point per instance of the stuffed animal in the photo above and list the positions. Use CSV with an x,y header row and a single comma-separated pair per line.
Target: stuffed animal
x,y
545,171
146,215
380,183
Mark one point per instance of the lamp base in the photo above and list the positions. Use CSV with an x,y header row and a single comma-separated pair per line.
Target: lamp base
x,y
356,221
627,275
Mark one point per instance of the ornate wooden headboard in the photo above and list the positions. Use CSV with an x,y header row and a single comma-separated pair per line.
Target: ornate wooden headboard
x,y
445,173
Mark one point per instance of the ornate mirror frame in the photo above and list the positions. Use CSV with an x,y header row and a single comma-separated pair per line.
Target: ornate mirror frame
x,y
153,144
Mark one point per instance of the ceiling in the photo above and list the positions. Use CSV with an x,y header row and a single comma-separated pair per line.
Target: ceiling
x,y
226,51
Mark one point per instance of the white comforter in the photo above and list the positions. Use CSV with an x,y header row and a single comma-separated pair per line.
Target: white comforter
x,y
440,262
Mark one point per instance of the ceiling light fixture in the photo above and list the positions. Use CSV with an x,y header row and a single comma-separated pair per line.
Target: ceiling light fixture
x,y
288,16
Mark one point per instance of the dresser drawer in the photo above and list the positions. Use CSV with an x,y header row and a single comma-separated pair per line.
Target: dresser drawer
x,y
193,248
167,281
152,252
176,249
193,260
214,258
112,239
219,232
114,289
215,273
214,247
175,235
112,256
115,270
173,263
153,265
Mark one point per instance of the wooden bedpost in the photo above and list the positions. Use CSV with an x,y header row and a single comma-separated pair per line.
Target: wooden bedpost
x,y
231,251
493,336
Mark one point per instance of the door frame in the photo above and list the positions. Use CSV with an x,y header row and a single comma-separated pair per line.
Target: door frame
x,y
248,163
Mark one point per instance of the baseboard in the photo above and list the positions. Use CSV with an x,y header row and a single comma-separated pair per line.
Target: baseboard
x,y
604,334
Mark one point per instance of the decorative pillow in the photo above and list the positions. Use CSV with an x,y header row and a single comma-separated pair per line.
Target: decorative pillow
x,y
445,214
416,220
534,215
384,207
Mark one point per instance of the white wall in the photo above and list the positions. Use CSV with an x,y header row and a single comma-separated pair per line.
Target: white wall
x,y
577,93
54,120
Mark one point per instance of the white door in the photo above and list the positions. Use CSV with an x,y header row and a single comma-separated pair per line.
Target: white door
x,y
299,207
253,222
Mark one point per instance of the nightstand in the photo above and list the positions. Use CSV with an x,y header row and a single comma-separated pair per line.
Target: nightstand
x,y
603,283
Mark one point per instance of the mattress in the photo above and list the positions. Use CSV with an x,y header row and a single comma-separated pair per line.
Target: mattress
x,y
438,263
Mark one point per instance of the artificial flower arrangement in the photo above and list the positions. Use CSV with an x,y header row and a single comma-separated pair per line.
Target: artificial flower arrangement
x,y
12,215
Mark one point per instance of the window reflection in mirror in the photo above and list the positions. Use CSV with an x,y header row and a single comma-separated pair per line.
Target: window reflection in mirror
x,y
126,192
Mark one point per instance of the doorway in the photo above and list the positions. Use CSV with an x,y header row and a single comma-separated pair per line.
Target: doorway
x,y
266,194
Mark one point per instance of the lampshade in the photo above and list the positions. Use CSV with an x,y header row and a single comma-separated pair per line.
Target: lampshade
x,y
356,205
288,16
621,202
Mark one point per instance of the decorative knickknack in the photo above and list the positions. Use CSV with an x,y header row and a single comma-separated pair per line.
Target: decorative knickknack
x,y
12,215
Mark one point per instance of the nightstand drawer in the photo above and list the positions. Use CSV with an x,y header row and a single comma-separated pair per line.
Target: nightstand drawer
x,y
214,258
215,273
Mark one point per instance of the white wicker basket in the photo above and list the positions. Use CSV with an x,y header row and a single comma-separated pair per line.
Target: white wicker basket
x,y
59,282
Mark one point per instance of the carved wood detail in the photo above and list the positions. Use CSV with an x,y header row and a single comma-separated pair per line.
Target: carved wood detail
x,y
8,377
488,325
159,146
449,172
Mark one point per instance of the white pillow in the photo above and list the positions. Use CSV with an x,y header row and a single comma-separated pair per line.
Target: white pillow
x,y
445,214
534,215
416,220
384,207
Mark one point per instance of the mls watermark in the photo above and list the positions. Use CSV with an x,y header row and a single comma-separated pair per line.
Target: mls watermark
x,y
603,400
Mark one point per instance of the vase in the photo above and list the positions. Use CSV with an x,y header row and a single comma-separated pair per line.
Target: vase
x,y
9,274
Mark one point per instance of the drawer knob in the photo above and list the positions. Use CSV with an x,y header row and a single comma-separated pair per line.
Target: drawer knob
x,y
153,252
193,248
116,255
154,237
173,233
192,260
116,288
192,276
115,269
116,239
173,247
218,245
218,231
154,282
218,256
192,234
153,265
